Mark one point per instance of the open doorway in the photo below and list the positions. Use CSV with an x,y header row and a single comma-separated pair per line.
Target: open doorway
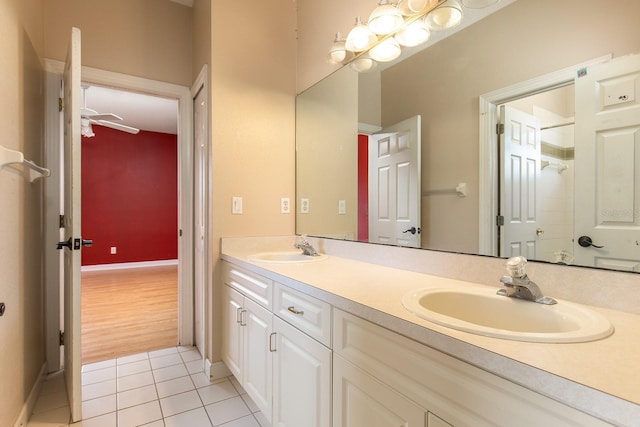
x,y
130,199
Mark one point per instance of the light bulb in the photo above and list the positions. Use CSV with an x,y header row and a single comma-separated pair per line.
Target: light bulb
x,y
386,51
360,37
413,34
448,15
337,51
414,7
385,19
363,65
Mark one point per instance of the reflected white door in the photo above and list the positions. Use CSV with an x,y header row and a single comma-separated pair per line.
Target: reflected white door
x,y
519,172
607,164
72,225
395,184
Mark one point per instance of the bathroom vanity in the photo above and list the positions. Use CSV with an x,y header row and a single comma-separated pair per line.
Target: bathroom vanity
x,y
334,334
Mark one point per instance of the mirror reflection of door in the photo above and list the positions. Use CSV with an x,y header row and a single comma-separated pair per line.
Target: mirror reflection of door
x,y
394,184
608,164
538,212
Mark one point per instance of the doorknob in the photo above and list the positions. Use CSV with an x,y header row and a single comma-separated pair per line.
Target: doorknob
x,y
87,243
585,242
412,230
62,245
539,231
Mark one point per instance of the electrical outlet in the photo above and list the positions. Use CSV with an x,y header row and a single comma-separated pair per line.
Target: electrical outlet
x,y
114,250
304,206
285,205
342,207
236,205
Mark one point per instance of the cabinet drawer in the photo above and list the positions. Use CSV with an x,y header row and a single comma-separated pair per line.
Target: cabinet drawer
x,y
310,315
253,285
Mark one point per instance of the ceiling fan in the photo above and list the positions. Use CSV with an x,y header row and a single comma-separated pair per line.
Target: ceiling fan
x,y
89,116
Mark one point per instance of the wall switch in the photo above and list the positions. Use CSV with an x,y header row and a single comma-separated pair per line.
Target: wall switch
x,y
236,205
304,206
285,205
114,250
342,207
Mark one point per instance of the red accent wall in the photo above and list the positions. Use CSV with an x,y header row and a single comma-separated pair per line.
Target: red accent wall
x,y
363,187
129,196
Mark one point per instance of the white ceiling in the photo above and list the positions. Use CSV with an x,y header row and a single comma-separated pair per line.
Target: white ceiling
x,y
141,111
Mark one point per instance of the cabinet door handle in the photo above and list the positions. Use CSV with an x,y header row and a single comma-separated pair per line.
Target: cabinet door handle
x,y
294,311
242,319
239,315
272,344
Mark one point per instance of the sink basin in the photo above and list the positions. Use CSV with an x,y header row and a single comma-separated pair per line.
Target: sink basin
x,y
285,257
482,312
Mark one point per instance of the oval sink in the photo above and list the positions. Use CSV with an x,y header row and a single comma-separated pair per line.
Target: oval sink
x,y
482,312
285,257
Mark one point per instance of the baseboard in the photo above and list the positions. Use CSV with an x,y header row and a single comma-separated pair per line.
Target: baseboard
x,y
217,370
123,265
30,403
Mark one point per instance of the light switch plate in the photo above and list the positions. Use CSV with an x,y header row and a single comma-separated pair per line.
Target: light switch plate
x,y
342,207
236,205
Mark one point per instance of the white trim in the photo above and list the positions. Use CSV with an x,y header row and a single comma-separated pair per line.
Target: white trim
x,y
185,182
32,399
488,145
125,265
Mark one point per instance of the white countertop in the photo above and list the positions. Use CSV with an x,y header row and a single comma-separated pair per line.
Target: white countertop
x,y
601,377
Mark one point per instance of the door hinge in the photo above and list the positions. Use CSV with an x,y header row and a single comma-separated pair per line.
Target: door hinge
x,y
60,104
499,128
61,224
499,220
61,338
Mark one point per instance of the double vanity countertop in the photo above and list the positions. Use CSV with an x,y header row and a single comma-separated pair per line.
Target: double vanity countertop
x,y
598,377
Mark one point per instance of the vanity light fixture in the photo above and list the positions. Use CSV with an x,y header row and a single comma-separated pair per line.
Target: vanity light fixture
x,y
445,16
405,23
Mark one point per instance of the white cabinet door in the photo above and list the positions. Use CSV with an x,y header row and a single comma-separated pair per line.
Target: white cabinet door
x,y
257,371
361,400
232,332
435,421
302,379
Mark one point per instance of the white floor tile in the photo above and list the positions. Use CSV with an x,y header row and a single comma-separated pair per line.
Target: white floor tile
x,y
53,418
132,358
99,365
99,375
163,352
137,396
178,403
250,403
140,415
133,368
134,381
191,355
174,386
159,423
227,410
170,372
106,420
195,418
195,366
248,421
100,406
103,388
50,401
201,380
217,392
163,361
237,385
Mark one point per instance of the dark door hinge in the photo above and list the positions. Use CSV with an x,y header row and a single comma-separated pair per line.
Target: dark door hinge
x,y
499,220
61,338
61,221
500,128
60,104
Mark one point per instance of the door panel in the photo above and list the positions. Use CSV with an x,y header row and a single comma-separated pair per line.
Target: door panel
x,y
607,164
72,225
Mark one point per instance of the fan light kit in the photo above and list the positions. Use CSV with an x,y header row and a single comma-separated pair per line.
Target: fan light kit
x,y
391,26
89,117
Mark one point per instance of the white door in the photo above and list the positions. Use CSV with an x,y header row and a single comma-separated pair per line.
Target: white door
x,y
607,164
519,173
72,226
200,210
301,379
394,184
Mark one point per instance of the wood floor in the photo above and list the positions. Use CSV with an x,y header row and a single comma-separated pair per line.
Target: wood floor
x,y
128,311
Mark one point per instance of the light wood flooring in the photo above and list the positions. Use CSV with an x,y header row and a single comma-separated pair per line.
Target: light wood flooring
x,y
128,311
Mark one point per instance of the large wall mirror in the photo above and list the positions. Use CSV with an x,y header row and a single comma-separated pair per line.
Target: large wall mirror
x,y
432,99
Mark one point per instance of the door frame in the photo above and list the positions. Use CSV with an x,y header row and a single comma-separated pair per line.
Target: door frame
x,y
488,191
182,94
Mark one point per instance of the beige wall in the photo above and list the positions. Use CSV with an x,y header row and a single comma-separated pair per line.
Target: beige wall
x,y
253,86
21,282
144,38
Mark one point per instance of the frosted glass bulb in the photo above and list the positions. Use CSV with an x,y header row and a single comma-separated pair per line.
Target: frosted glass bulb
x,y
386,51
385,19
413,34
360,37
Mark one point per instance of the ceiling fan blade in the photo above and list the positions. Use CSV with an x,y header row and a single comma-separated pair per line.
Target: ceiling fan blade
x,y
116,126
105,116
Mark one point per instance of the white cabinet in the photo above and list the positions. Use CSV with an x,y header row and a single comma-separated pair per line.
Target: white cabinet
x,y
302,379
247,329
361,400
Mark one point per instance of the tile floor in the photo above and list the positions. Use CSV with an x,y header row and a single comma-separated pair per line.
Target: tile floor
x,y
164,388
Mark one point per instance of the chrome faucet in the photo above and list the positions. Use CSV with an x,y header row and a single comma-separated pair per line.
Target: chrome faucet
x,y
518,284
306,247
